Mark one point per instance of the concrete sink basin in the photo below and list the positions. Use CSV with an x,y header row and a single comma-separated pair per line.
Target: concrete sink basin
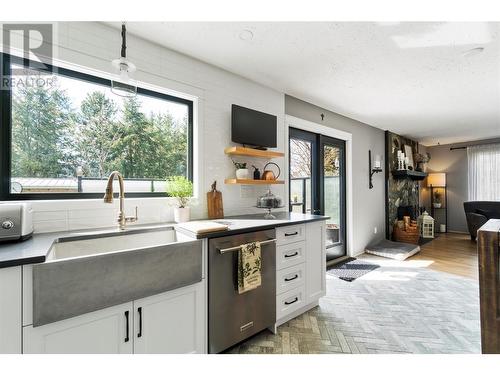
x,y
89,272
96,244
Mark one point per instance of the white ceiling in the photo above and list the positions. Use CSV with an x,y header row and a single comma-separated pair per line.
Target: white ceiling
x,y
411,77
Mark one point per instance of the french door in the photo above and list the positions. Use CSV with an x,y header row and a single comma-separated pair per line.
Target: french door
x,y
318,185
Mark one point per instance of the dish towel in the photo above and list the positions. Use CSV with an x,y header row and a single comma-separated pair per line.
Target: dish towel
x,y
249,267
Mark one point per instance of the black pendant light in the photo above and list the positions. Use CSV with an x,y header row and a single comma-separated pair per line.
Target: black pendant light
x,y
124,85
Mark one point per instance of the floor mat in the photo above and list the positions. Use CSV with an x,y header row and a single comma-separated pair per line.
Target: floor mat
x,y
351,269
392,249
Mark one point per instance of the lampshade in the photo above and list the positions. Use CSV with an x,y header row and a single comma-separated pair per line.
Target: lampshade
x,y
436,180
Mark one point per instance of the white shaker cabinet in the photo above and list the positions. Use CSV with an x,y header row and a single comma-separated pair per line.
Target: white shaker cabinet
x,y
172,322
315,261
10,310
107,331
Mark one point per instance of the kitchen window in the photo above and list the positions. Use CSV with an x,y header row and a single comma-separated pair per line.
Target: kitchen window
x,y
64,131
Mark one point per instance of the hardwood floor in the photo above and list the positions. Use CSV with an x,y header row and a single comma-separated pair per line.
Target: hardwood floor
x,y
450,252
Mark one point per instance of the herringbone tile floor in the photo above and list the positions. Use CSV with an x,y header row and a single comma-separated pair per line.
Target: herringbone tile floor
x,y
394,309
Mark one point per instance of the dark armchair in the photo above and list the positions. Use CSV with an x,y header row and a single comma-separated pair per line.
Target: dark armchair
x,y
478,213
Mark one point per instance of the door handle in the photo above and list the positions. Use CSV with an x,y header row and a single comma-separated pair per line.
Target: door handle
x,y
139,310
127,327
295,300
292,278
292,255
291,234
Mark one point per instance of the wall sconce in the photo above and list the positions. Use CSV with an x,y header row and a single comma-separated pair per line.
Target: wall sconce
x,y
377,166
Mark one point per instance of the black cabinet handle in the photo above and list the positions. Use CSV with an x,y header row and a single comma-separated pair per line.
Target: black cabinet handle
x,y
139,310
292,278
291,234
127,329
292,255
295,300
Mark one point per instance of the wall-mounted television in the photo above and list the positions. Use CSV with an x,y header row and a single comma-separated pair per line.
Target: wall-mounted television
x,y
253,128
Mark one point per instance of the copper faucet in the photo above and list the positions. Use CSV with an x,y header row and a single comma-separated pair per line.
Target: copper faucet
x,y
108,198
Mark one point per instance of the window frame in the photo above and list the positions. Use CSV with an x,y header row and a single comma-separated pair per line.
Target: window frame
x,y
6,131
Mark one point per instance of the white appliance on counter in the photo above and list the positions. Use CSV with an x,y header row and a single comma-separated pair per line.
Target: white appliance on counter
x,y
16,221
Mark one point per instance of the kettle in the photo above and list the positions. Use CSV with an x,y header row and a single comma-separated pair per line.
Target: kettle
x,y
268,174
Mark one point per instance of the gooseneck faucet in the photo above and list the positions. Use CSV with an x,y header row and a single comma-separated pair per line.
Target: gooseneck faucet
x,y
108,198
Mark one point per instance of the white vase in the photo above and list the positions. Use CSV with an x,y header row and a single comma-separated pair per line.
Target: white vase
x,y
181,214
242,174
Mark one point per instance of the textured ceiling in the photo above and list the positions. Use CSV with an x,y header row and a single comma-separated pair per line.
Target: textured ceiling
x,y
408,77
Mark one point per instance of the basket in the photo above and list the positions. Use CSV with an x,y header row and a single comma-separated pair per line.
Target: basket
x,y
410,235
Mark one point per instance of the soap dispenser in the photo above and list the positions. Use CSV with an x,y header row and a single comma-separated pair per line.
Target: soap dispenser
x,y
256,173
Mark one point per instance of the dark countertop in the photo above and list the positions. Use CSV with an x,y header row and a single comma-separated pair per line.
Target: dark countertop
x,y
35,249
245,223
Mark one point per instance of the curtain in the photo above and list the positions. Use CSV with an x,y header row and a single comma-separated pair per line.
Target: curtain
x,y
484,172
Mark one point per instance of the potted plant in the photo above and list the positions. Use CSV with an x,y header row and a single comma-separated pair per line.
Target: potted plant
x,y
241,170
437,199
181,188
422,160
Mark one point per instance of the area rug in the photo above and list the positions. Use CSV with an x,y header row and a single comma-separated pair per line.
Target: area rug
x,y
392,249
351,269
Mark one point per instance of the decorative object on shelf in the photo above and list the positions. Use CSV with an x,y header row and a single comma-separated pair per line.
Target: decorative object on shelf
x,y
256,173
401,160
181,188
422,160
409,157
269,175
269,201
214,203
425,225
439,211
124,85
242,173
436,201
442,228
377,167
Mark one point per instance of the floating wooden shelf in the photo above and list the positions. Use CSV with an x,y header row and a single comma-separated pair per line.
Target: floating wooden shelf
x,y
244,151
240,181
413,175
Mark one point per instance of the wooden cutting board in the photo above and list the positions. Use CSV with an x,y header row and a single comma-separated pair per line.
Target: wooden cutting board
x,y
214,203
203,226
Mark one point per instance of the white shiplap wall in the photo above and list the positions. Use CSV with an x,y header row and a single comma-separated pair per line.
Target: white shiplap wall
x,y
91,46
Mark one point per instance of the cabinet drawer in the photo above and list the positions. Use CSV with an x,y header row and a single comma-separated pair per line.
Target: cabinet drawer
x,y
290,278
289,234
290,254
290,301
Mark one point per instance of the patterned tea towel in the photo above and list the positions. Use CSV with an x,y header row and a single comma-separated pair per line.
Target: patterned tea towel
x,y
249,267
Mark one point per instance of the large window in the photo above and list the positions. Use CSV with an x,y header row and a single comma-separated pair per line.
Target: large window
x,y
62,135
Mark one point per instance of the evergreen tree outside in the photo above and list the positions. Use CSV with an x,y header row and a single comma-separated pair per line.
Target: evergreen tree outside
x,y
53,135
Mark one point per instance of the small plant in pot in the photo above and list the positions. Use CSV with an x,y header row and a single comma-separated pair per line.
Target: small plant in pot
x,y
241,170
181,188
437,199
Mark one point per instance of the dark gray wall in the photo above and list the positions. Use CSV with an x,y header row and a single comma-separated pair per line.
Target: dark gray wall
x,y
454,164
368,205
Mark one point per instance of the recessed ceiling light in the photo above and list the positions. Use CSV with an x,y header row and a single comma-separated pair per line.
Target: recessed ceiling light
x,y
246,35
473,52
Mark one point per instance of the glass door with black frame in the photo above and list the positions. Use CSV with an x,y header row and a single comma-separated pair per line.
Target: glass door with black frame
x,y
332,194
317,183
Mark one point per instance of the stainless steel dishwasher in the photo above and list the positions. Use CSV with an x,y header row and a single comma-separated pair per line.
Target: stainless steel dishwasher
x,y
233,317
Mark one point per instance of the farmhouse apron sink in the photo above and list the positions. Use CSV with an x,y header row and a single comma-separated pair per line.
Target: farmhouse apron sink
x,y
90,272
